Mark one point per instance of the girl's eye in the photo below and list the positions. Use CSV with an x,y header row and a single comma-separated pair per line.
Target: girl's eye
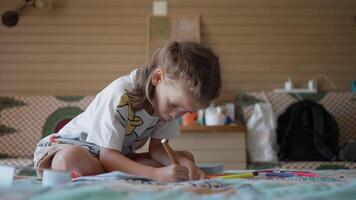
x,y
173,105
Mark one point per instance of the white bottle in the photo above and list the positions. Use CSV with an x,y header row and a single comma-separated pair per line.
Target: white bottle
x,y
221,117
201,119
230,111
312,86
288,85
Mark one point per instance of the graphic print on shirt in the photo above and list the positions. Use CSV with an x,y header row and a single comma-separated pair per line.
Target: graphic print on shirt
x,y
128,119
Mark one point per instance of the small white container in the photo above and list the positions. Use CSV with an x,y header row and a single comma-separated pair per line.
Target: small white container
x,y
288,85
7,175
53,177
214,116
312,85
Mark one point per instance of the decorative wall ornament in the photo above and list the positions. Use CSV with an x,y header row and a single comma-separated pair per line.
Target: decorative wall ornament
x,y
12,17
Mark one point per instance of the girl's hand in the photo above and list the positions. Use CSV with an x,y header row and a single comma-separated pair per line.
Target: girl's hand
x,y
195,173
171,173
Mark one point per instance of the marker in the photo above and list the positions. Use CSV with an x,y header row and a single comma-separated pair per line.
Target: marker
x,y
278,174
295,173
307,174
241,175
303,173
169,152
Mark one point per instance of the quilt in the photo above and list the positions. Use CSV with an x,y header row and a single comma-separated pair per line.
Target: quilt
x,y
331,184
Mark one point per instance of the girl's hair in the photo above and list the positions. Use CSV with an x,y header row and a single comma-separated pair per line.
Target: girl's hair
x,y
196,64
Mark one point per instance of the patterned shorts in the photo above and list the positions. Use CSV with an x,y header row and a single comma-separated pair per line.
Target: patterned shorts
x,y
50,145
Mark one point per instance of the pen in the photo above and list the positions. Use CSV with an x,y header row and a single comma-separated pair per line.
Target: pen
x,y
169,152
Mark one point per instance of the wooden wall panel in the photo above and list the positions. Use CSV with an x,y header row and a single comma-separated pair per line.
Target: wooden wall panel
x,y
80,46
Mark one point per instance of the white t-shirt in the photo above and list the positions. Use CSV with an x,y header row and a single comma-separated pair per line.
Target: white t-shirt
x,y
110,122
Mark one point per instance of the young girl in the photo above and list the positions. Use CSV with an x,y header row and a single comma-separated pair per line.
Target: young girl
x,y
182,77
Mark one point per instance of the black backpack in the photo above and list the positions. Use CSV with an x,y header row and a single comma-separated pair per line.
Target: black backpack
x,y
307,132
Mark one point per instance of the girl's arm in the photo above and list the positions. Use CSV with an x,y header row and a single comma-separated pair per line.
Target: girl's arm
x,y
158,153
113,160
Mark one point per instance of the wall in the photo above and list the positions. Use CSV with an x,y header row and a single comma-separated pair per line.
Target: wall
x,y
80,46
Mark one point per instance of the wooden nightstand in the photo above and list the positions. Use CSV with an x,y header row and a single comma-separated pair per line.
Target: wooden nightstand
x,y
214,144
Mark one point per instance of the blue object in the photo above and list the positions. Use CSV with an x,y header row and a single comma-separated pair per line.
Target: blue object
x,y
211,168
180,120
228,120
353,86
278,174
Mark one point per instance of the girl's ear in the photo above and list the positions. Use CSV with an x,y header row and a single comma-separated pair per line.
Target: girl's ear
x,y
157,76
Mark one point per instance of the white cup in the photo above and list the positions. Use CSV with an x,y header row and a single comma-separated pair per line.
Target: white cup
x,y
288,85
7,175
54,177
214,119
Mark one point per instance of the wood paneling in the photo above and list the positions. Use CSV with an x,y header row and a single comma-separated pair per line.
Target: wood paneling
x,y
80,46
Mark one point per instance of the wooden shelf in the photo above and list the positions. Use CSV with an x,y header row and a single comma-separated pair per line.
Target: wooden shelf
x,y
222,129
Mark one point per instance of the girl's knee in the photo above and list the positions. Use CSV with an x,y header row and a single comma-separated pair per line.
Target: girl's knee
x,y
78,159
68,157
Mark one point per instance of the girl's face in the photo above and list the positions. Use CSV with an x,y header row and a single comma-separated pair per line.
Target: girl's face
x,y
171,98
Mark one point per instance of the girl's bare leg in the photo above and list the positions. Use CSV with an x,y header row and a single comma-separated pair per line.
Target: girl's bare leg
x,y
76,158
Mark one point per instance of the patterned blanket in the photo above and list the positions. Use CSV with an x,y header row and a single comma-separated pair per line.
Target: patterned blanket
x,y
332,184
